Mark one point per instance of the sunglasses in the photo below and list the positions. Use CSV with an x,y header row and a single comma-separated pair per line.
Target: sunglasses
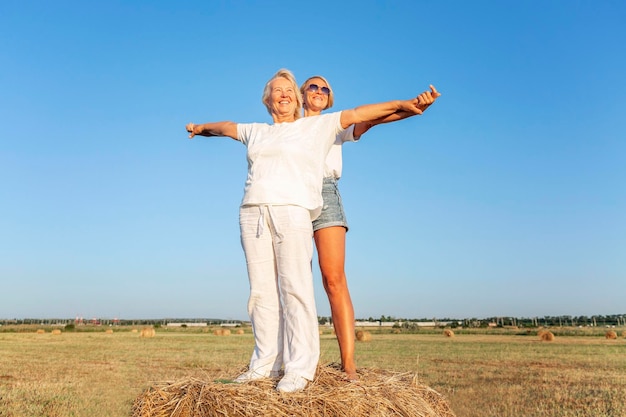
x,y
314,88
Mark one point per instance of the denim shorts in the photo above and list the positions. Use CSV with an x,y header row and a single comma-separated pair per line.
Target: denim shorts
x,y
332,208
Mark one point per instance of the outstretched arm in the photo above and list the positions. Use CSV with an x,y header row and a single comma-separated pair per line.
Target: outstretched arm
x,y
371,112
228,129
424,101
361,128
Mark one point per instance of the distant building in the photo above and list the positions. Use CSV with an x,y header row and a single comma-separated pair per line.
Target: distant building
x,y
193,324
377,323
400,323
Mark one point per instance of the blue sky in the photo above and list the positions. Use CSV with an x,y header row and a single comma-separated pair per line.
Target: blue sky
x,y
506,198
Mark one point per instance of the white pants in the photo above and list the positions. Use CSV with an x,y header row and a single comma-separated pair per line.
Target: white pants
x,y
277,241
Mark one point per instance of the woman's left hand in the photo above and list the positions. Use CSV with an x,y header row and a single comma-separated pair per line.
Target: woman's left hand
x,y
427,98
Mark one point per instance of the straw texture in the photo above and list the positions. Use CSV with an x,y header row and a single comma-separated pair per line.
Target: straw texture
x,y
377,393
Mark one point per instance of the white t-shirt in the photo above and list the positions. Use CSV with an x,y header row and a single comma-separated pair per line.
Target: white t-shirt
x,y
286,160
334,162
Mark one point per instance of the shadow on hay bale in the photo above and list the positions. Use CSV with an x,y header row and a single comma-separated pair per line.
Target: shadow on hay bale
x,y
545,335
147,332
363,336
378,393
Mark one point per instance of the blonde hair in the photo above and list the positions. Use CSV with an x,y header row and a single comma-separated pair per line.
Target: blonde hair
x,y
331,96
267,91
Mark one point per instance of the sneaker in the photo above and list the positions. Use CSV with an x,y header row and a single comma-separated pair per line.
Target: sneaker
x,y
252,375
291,383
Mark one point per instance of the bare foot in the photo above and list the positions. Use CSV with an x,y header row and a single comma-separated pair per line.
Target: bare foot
x,y
351,375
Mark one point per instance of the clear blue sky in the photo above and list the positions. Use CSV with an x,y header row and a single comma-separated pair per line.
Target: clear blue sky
x,y
507,198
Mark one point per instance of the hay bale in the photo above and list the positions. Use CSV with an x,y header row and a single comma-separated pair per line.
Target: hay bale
x,y
610,335
109,331
448,333
218,332
378,393
40,331
546,335
147,332
134,331
363,336
56,331
240,331
225,332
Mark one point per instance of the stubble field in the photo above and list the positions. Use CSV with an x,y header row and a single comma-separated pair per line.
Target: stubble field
x,y
486,374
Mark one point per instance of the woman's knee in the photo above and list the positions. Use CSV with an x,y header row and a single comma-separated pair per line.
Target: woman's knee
x,y
334,281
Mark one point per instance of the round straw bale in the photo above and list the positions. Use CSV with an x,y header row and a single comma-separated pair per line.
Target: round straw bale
x,y
218,332
134,331
109,331
240,331
147,332
225,332
377,393
610,334
546,335
56,331
363,336
40,331
448,333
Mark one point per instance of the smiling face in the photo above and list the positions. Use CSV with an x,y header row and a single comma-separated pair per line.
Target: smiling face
x,y
280,95
282,99
315,101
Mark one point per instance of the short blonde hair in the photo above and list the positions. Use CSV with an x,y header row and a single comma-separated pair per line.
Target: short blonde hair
x,y
267,91
331,96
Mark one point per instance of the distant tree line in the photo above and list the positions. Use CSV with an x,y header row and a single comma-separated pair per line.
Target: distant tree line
x,y
112,322
546,321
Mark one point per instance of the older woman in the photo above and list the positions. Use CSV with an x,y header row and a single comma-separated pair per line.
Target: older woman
x,y
330,227
282,195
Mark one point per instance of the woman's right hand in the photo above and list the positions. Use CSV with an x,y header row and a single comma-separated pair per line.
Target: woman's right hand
x,y
190,127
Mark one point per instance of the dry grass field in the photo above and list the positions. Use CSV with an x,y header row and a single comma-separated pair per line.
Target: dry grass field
x,y
498,374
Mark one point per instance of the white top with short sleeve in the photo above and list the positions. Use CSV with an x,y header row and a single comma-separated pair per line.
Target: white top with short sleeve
x,y
286,160
334,161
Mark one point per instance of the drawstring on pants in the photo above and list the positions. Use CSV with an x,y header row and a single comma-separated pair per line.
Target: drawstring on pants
x,y
260,225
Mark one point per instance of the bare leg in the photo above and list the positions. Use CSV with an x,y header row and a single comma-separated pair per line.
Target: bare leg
x,y
331,250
